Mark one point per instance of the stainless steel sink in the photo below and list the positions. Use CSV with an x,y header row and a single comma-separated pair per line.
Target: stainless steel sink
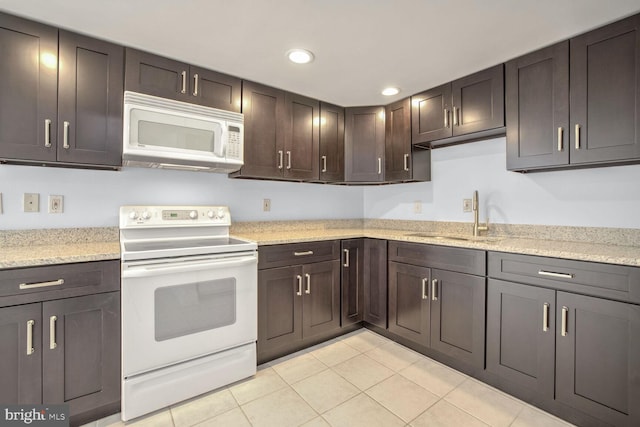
x,y
437,236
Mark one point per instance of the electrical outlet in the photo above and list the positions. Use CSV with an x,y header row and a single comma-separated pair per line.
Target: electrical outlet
x,y
31,202
466,205
55,203
266,205
417,207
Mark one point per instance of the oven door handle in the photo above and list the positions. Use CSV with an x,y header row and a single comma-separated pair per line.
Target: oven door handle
x,y
145,270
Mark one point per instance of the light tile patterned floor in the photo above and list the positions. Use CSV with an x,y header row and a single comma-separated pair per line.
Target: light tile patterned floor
x,y
360,379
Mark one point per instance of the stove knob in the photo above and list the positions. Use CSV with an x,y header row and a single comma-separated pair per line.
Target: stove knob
x,y
133,215
193,215
210,214
146,215
220,213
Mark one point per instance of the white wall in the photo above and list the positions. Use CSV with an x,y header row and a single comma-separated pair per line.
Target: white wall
x,y
598,197
92,198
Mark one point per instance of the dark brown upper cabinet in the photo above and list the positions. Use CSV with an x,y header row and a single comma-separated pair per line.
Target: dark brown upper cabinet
x,y
63,103
331,143
466,109
537,104
576,103
281,134
364,144
167,78
398,141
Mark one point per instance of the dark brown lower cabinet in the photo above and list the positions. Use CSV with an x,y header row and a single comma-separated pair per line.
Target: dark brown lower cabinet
x,y
296,303
375,282
581,351
352,281
409,309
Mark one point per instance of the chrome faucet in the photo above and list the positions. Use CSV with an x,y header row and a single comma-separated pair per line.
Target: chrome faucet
x,y
477,227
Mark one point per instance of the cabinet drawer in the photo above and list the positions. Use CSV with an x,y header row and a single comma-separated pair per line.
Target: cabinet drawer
x,y
271,256
605,280
26,285
470,261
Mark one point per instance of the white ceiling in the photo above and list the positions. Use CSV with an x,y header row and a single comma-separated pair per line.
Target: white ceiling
x,y
361,46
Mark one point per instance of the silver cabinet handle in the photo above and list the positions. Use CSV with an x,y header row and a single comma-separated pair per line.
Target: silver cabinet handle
x,y
303,253
288,159
545,317
299,278
65,135
565,314
41,284
446,118
560,138
30,349
52,332
558,275
195,84
184,82
346,257
424,289
47,133
280,159
308,280
324,163
434,287
406,163
455,116
577,136
379,165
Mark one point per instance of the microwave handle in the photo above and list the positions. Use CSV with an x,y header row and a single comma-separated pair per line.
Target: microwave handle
x,y
150,270
220,145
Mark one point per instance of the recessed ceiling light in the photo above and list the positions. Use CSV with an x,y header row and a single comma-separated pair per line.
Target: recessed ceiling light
x,y
389,91
300,56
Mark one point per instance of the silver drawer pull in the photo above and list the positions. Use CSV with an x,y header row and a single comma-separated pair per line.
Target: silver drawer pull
x,y
47,133
299,278
424,289
434,288
288,159
346,258
65,135
565,314
446,118
280,159
558,275
303,253
406,163
455,116
183,89
560,139
308,279
379,165
577,136
195,84
52,332
41,284
30,349
545,317
324,163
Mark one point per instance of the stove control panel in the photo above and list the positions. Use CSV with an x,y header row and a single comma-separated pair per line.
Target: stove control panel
x,y
171,216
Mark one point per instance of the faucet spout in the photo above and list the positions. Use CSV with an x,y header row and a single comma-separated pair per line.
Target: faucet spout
x,y
477,227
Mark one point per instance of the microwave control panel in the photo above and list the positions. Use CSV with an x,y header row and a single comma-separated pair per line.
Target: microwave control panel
x,y
234,145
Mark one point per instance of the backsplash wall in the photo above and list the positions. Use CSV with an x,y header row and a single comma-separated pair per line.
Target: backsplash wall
x,y
597,197
92,198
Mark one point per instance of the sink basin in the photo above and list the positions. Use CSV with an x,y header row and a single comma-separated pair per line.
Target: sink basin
x,y
451,237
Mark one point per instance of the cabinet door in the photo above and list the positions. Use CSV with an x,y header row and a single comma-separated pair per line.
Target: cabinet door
x,y
264,111
321,299
81,362
352,281
279,307
457,315
156,75
28,90
537,104
21,366
431,114
521,335
214,89
605,93
397,158
478,101
375,282
301,137
598,357
331,142
409,302
364,144
90,97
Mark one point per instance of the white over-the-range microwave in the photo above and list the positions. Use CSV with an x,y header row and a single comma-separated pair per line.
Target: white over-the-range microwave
x,y
163,133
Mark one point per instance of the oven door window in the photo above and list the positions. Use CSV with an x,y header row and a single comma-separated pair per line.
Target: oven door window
x,y
194,307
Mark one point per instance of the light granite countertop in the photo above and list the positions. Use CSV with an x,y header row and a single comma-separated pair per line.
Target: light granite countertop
x,y
25,248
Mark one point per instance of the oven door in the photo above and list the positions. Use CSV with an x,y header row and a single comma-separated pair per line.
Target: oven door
x,y
180,309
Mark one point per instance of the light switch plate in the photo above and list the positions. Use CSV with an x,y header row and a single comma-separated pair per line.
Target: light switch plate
x,y
266,205
31,202
466,205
